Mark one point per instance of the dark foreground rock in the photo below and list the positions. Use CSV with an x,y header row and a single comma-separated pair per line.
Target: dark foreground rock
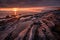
x,y
40,26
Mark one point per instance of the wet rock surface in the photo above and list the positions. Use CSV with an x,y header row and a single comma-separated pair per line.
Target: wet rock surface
x,y
40,26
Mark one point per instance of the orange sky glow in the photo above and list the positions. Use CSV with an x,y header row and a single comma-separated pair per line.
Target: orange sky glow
x,y
32,9
29,9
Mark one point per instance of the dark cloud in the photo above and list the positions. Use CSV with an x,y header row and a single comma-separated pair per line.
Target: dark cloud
x,y
26,3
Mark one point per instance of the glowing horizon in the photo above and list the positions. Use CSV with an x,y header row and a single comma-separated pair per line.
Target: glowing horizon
x,y
29,9
32,9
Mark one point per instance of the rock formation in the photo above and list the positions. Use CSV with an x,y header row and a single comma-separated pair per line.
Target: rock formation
x,y
40,26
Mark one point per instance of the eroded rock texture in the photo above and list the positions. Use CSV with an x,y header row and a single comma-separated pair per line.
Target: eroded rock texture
x,y
40,26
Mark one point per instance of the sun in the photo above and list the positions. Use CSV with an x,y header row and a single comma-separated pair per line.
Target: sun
x,y
15,10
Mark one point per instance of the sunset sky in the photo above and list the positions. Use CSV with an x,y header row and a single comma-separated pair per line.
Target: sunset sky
x,y
29,3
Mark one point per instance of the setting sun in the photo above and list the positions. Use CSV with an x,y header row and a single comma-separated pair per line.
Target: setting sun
x,y
15,9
